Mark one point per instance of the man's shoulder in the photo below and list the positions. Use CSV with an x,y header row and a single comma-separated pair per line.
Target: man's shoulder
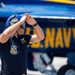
x,y
25,35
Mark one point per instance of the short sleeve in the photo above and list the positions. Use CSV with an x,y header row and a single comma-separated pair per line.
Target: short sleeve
x,y
26,38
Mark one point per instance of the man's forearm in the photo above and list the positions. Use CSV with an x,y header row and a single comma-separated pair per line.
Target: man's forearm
x,y
12,29
39,32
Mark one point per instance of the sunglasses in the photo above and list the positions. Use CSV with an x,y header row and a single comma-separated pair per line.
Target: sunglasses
x,y
23,26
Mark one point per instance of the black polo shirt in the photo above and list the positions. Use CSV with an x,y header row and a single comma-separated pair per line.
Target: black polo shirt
x,y
14,54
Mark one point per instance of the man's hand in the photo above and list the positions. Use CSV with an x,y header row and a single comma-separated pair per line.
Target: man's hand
x,y
30,20
23,19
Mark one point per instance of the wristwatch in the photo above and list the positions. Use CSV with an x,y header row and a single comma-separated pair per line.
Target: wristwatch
x,y
35,24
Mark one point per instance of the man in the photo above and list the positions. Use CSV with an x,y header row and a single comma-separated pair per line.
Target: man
x,y
13,44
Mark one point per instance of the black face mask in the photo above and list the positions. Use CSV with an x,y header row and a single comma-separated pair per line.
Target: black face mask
x,y
15,20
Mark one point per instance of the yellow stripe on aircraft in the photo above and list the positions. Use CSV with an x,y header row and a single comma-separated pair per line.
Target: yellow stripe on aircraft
x,y
62,1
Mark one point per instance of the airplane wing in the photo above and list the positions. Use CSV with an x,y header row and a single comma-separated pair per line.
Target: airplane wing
x,y
39,10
